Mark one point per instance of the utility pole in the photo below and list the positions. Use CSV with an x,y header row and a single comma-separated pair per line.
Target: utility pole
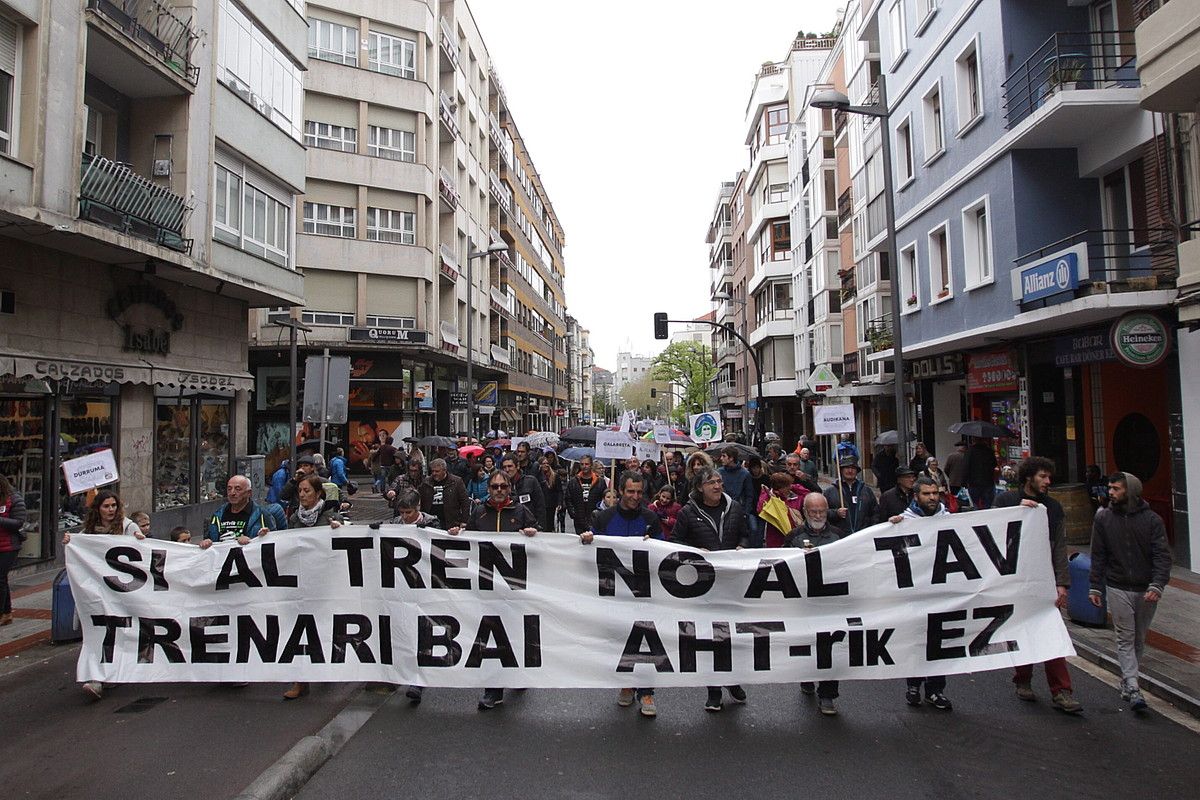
x,y
293,325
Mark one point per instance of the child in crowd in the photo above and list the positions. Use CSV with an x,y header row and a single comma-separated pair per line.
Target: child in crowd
x,y
608,501
667,509
142,520
181,535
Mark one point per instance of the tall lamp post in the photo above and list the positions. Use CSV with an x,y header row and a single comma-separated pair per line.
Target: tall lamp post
x,y
494,247
837,101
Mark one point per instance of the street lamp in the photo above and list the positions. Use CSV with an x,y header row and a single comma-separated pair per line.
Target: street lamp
x,y
726,297
831,99
494,247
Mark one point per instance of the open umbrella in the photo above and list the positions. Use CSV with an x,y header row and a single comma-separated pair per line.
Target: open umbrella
x,y
678,439
892,437
436,441
497,434
576,453
580,433
979,429
470,450
502,443
542,439
742,451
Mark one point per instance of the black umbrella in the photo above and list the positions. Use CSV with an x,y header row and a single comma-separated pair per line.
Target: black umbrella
x,y
978,429
742,451
436,441
891,437
580,433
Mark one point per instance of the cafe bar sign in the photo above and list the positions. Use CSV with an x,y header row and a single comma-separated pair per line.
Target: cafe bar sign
x,y
388,336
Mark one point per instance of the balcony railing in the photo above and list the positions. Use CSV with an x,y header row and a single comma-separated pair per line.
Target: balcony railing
x,y
879,333
1067,62
1118,260
157,28
845,208
849,285
115,196
446,112
449,43
447,191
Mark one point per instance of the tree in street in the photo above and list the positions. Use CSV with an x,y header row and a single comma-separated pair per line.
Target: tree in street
x,y
688,365
636,396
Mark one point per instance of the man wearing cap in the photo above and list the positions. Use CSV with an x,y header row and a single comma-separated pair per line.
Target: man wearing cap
x,y
899,497
852,504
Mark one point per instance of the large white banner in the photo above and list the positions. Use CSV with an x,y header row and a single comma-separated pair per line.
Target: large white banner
x,y
943,595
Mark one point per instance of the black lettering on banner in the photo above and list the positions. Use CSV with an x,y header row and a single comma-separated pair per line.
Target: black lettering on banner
x,y
491,563
304,641
533,640
439,562
825,642
761,631
354,546
265,644
877,647
385,639
149,637
608,566
137,576
783,583
201,639
491,627
644,633
271,569
817,587
937,634
899,546
356,639
668,574
948,541
388,563
857,656
982,644
719,645
427,640
236,570
158,567
110,625
1005,564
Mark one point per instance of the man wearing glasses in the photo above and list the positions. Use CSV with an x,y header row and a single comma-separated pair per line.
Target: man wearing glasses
x,y
525,488
501,515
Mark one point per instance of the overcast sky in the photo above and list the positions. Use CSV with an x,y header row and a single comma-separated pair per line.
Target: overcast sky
x,y
633,114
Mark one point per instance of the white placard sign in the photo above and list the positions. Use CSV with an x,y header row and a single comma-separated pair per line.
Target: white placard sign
x,y
833,419
662,434
90,471
934,596
647,451
705,426
613,444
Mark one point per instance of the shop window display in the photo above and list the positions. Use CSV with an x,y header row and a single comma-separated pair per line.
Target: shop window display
x,y
191,450
22,427
85,426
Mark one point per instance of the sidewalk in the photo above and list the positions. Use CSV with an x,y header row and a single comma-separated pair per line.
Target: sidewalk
x,y
1170,667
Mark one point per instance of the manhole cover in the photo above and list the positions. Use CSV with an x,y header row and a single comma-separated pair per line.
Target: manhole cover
x,y
140,705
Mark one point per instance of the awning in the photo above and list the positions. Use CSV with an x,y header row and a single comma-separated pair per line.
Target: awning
x,y
449,334
509,414
29,365
500,355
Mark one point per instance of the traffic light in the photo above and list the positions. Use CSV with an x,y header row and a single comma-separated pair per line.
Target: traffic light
x,y
660,325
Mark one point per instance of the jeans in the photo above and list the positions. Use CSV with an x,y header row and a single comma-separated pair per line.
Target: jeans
x,y
1057,675
6,563
934,684
1131,616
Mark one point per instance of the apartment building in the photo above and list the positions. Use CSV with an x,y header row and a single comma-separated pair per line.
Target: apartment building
x,y
580,359
727,288
150,157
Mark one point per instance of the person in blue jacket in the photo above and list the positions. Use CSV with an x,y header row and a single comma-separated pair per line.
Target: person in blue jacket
x,y
629,517
739,484
337,469
240,519
278,480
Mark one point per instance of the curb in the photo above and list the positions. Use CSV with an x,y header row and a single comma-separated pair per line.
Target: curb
x,y
287,776
1175,695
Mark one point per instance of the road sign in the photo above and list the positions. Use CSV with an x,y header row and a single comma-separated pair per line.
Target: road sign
x,y
822,380
335,388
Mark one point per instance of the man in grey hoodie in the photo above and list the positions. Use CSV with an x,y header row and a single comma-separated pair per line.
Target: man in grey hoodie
x,y
1131,563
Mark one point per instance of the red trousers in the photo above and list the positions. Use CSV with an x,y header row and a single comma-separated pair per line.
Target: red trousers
x,y
1056,675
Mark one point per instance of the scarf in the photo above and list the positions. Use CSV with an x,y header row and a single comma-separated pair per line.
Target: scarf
x,y
308,516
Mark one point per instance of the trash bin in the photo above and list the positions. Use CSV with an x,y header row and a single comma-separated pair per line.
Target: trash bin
x,y
64,622
1079,608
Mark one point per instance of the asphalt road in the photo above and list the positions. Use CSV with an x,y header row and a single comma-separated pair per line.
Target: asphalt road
x,y
581,745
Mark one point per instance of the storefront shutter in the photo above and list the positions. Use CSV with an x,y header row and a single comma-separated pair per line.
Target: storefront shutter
x,y
8,46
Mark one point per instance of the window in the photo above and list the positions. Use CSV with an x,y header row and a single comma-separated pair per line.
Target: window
x,y
977,244
192,449
899,32
904,158
328,220
390,225
939,263
935,140
92,135
250,213
330,137
775,193
925,9
392,55
775,242
908,278
259,71
329,41
9,47
404,323
970,91
391,143
772,128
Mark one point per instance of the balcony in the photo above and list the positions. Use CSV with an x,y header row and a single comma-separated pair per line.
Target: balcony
x,y
500,193
449,46
502,303
448,114
845,209
494,130
849,285
447,192
1168,50
113,195
850,367
1189,275
448,265
879,333
165,33
1072,69
777,324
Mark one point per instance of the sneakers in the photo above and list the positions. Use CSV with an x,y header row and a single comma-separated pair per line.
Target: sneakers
x,y
1137,702
95,689
491,698
647,708
713,703
625,698
414,694
825,704
808,688
1025,692
939,701
737,693
912,695
1066,703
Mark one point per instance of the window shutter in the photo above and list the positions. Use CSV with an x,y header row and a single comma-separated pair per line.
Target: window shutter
x,y
8,45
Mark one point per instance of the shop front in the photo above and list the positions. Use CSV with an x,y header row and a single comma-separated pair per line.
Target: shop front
x,y
997,393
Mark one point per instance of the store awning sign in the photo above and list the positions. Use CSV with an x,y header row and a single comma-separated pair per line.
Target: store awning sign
x,y
1088,348
387,336
994,371
1140,340
91,471
1055,274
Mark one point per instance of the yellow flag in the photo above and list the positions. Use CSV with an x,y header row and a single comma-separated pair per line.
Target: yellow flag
x,y
775,511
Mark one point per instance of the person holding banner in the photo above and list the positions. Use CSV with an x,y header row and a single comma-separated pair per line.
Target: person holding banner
x,y
240,519
854,501
526,489
712,520
815,531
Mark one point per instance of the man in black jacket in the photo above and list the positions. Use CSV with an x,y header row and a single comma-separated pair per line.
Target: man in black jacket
x,y
815,532
1131,562
899,497
1034,475
852,503
582,493
712,520
526,488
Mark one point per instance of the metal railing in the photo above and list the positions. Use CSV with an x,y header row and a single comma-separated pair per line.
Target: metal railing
x,y
446,189
114,195
157,28
879,332
446,112
845,208
1119,260
1069,61
449,42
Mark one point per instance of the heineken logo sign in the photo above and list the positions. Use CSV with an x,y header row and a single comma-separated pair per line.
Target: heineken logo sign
x,y
1140,340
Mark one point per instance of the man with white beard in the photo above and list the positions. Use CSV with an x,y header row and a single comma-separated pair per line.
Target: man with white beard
x,y
815,532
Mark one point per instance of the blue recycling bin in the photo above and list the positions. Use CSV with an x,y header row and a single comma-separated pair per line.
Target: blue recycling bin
x,y
1079,608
